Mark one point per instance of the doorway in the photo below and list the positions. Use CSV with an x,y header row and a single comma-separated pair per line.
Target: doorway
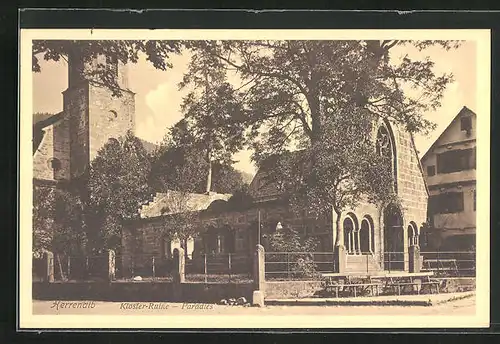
x,y
393,239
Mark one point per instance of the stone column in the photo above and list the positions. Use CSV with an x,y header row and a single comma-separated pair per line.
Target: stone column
x,y
48,258
111,265
358,248
414,258
259,276
339,256
349,242
178,273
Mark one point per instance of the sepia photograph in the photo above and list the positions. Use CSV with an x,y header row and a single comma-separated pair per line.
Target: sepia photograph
x,y
254,179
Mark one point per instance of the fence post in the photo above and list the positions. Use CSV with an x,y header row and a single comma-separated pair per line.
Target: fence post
x,y
205,267
437,262
153,267
178,273
48,257
287,265
111,265
229,265
87,266
259,276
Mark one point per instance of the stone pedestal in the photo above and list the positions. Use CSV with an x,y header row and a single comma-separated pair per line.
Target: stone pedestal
x,y
48,258
339,258
259,274
414,258
258,298
178,273
111,265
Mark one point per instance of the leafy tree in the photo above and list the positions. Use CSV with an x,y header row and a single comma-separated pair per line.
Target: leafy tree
x,y
57,222
241,199
157,53
293,249
213,112
226,179
117,187
180,164
323,97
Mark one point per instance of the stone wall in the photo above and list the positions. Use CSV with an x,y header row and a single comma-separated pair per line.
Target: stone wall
x,y
54,145
109,117
76,107
411,182
140,291
243,223
291,289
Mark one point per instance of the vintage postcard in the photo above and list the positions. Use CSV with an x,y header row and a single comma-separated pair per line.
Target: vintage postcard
x,y
254,179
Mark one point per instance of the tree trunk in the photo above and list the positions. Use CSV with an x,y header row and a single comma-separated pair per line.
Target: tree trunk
x,y
339,241
209,176
61,272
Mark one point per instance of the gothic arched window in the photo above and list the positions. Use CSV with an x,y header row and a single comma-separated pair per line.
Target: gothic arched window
x,y
384,145
386,150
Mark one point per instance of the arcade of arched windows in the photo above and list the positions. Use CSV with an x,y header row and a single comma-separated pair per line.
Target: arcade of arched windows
x,y
359,238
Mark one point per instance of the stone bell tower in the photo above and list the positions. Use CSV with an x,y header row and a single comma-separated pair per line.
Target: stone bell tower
x,y
94,114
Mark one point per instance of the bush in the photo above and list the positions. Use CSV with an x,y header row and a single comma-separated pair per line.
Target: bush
x,y
301,263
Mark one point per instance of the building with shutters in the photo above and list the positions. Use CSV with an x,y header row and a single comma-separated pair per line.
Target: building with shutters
x,y
450,171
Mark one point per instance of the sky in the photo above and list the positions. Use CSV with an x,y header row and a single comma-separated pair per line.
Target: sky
x,y
158,99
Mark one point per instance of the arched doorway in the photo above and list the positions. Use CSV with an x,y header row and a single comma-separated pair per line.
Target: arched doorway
x,y
364,235
393,239
349,235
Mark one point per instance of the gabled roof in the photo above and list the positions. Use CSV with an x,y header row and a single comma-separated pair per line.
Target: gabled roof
x,y
174,202
40,124
461,112
38,127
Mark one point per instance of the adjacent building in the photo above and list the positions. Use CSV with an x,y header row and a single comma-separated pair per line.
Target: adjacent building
x,y
450,172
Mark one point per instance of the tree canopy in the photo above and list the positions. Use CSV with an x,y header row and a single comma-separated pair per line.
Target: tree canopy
x,y
57,221
157,52
180,164
212,111
117,188
324,99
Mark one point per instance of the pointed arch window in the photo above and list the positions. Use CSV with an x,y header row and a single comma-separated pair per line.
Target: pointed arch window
x,y
386,149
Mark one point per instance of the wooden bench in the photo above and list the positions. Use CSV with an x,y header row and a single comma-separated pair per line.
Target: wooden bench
x,y
409,281
440,265
349,284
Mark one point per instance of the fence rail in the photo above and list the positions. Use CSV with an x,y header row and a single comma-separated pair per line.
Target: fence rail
x,y
297,265
145,266
222,267
232,267
450,263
